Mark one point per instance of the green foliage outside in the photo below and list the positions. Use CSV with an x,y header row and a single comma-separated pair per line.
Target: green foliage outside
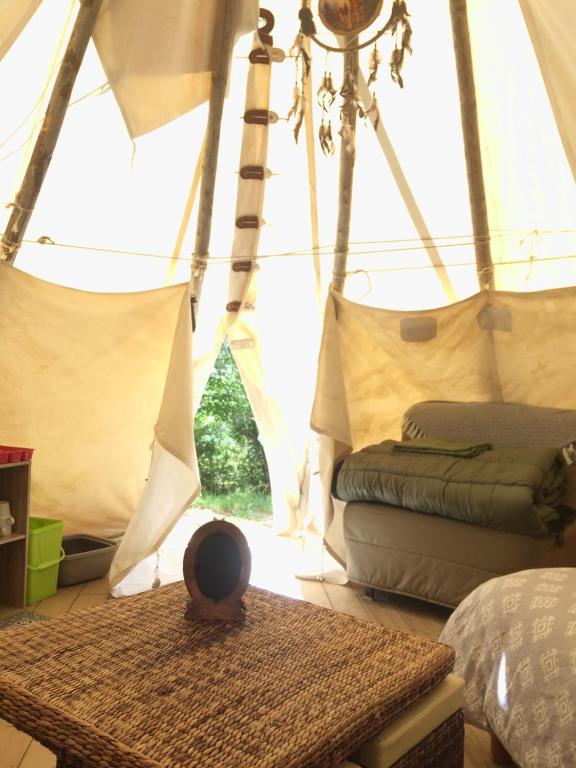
x,y
244,504
230,458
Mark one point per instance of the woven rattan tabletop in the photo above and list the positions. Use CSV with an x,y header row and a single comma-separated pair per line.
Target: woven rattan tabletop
x,y
132,684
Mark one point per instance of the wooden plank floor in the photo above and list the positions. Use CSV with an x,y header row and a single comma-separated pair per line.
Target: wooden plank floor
x,y
17,750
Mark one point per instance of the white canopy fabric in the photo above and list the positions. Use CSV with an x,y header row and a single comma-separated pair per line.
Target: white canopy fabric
x,y
113,211
15,15
173,482
551,28
158,56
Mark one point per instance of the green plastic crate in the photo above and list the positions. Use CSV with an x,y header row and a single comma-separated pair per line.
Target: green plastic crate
x,y
44,540
42,580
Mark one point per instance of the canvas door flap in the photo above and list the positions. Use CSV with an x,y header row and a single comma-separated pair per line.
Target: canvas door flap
x,y
158,56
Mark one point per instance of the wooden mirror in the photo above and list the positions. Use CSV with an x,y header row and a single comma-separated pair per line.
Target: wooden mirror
x,y
216,572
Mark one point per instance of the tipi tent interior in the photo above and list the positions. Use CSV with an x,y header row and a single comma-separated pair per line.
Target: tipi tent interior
x,y
375,215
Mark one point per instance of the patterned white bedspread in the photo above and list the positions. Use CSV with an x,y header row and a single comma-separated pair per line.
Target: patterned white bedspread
x,y
515,643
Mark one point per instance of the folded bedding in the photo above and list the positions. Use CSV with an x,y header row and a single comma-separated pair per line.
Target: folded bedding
x,y
511,489
433,446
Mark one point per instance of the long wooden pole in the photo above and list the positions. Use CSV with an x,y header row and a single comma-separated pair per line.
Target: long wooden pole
x,y
345,184
471,134
48,136
222,48
476,191
312,187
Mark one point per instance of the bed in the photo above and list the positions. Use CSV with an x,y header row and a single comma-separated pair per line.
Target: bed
x,y
397,549
515,644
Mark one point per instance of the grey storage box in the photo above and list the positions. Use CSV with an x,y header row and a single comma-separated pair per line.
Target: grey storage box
x,y
86,558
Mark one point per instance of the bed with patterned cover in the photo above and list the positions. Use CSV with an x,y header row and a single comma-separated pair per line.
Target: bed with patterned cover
x,y
515,644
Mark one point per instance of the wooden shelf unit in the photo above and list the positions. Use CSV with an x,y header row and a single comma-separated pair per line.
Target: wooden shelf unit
x,y
15,488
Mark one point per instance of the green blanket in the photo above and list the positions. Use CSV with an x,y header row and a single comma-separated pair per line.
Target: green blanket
x,y
511,489
432,445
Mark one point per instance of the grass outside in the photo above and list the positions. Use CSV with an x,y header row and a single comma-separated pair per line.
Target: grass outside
x,y
244,504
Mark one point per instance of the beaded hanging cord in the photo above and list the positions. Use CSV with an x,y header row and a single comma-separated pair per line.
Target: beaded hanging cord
x,y
398,21
398,26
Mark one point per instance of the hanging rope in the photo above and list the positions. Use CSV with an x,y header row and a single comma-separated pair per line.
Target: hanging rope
x,y
224,260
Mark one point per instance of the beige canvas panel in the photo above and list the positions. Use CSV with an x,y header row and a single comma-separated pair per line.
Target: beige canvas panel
x,y
15,15
368,376
552,28
537,358
82,381
158,56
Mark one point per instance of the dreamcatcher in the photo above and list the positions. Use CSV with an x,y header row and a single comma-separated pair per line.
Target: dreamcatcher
x,y
347,18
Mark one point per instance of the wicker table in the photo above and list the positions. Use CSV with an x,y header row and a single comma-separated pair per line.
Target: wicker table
x,y
132,684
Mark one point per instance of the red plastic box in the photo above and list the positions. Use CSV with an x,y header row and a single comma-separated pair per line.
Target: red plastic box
x,y
10,454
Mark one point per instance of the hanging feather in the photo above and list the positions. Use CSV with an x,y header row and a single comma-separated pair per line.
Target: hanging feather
x,y
350,104
300,117
302,61
399,21
326,93
297,98
373,64
396,61
307,62
298,51
296,47
298,125
349,91
326,140
298,110
407,38
398,17
373,112
347,134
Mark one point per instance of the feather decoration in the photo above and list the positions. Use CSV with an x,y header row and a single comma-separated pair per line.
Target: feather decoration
x,y
396,61
298,110
296,46
373,64
347,134
326,140
399,20
398,17
349,91
298,51
373,112
326,93
300,117
297,98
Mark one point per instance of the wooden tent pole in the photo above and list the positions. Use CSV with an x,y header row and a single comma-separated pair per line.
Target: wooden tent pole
x,y
222,48
48,136
471,134
345,184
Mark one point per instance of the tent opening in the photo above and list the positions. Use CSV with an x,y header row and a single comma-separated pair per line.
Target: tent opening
x,y
231,460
